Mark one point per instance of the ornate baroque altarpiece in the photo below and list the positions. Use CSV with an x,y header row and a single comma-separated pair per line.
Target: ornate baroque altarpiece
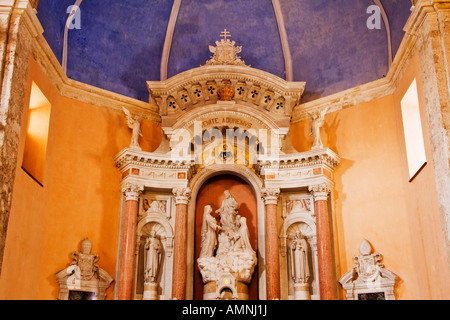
x,y
223,118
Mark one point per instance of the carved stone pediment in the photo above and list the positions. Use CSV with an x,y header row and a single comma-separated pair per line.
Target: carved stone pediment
x,y
225,77
201,86
83,278
368,276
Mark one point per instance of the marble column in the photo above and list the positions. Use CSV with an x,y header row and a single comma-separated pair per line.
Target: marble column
x,y
182,197
270,197
327,283
18,27
128,253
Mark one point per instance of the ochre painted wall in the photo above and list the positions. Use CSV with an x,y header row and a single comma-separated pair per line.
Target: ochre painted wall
x,y
429,254
81,196
373,198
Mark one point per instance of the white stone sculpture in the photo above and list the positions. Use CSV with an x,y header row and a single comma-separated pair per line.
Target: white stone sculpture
x,y
234,258
228,213
83,279
299,259
299,264
318,120
153,261
209,239
369,280
134,123
225,52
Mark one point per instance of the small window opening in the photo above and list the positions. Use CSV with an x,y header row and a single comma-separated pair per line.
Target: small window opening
x,y
412,126
37,135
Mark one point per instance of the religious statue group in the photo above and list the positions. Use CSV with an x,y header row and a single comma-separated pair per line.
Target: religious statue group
x,y
226,248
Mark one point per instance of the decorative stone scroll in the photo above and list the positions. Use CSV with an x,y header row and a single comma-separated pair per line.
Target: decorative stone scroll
x,y
369,280
83,279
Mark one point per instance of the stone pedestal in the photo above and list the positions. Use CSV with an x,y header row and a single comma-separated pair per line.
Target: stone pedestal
x,y
214,291
302,292
150,291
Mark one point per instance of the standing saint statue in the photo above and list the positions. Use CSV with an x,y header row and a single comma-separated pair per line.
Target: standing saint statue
x,y
318,120
135,125
298,250
152,265
209,239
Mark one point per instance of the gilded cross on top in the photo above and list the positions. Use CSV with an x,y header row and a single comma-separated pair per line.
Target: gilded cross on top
x,y
225,34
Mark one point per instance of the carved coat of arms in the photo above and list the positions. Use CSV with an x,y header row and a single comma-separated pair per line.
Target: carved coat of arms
x,y
85,261
367,265
225,52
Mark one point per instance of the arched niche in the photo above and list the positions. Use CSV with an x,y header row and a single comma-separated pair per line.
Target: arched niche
x,y
160,225
256,184
298,215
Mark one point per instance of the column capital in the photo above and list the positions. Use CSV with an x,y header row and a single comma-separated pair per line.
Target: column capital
x,y
320,191
182,195
270,196
132,191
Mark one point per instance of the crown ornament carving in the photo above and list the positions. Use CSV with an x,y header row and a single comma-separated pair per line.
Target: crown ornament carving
x,y
226,93
225,52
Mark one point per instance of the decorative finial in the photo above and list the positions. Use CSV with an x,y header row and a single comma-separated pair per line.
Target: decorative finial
x,y
225,34
225,52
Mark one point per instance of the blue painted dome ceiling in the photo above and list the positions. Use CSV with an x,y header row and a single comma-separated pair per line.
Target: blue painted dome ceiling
x,y
119,46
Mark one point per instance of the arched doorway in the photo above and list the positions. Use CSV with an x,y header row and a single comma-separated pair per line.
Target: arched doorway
x,y
212,193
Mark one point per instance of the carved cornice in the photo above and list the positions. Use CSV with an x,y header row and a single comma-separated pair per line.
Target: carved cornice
x,y
129,156
199,87
300,160
153,170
